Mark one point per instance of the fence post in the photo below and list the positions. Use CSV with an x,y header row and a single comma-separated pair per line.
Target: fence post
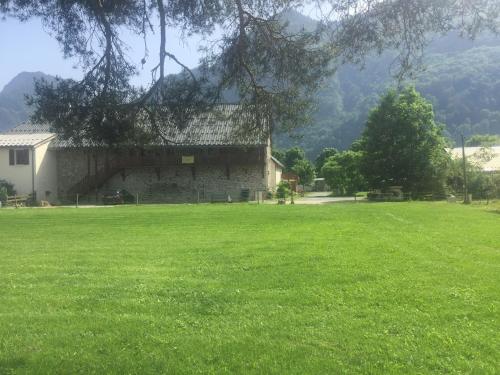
x,y
137,199
15,200
77,199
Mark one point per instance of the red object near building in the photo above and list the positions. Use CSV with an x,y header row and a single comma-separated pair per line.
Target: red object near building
x,y
292,179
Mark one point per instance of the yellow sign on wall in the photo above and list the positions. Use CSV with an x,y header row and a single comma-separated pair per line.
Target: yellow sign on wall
x,y
188,159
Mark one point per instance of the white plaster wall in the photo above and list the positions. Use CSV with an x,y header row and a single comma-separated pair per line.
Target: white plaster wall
x,y
46,174
279,171
270,175
274,175
19,175
274,171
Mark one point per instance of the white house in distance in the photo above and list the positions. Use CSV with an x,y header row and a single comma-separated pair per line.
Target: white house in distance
x,y
487,158
26,163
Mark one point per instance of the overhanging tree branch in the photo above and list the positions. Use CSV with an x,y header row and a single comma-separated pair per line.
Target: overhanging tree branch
x,y
266,63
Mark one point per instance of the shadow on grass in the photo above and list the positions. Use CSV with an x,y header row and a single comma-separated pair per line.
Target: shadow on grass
x,y
10,364
337,202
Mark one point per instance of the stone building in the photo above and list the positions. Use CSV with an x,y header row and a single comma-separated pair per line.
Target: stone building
x,y
215,156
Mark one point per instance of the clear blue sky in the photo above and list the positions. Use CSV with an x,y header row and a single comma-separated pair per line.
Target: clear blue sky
x,y
26,47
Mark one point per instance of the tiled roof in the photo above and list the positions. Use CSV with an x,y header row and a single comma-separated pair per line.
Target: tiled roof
x,y
24,139
488,158
30,128
227,125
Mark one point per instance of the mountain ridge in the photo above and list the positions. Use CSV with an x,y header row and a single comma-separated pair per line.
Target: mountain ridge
x,y
13,107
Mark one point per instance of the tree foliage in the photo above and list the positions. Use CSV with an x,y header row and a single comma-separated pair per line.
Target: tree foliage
x,y
294,160
325,154
403,146
461,79
278,154
480,184
486,140
273,69
342,172
305,170
292,156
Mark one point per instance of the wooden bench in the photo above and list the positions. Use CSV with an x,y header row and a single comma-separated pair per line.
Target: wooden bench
x,y
218,198
18,200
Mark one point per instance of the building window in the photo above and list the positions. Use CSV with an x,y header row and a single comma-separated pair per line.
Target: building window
x,y
23,157
19,157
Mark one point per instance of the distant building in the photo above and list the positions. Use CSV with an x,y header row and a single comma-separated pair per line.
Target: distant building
x,y
276,170
487,158
319,184
292,179
210,157
26,162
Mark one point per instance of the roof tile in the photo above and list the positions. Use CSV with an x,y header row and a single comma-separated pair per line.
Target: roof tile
x,y
227,125
24,139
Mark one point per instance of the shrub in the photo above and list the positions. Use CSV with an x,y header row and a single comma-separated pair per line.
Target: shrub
x,y
127,197
9,188
33,203
283,190
479,183
496,181
3,194
245,195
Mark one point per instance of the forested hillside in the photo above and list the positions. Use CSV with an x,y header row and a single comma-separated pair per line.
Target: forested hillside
x,y
460,77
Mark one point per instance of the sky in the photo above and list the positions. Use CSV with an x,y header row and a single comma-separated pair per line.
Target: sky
x,y
27,47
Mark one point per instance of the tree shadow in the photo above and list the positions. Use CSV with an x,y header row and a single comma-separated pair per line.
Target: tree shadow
x,y
10,364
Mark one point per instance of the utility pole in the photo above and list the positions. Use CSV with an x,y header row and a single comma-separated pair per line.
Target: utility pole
x,y
464,166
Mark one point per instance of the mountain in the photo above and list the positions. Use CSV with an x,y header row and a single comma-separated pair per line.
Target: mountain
x,y
13,108
462,79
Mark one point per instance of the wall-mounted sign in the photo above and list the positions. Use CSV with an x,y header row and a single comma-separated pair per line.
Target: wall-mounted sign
x,y
187,159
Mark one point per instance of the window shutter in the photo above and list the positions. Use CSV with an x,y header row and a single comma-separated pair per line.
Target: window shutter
x,y
12,160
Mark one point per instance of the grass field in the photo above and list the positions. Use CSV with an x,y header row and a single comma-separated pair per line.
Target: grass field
x,y
346,288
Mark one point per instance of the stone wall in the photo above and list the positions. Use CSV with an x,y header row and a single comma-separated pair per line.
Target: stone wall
x,y
159,175
188,183
72,166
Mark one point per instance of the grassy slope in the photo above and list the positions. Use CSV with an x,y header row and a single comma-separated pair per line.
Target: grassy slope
x,y
186,289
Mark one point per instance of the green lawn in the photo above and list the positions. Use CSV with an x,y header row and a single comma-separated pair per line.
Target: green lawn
x,y
346,288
